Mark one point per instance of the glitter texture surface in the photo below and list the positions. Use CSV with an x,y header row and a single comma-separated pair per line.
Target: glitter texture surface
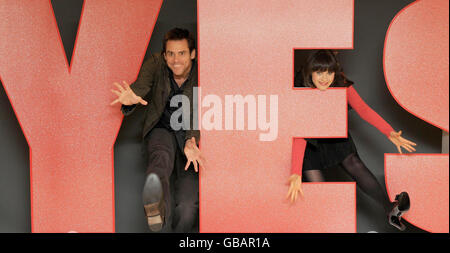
x,y
425,178
416,60
246,48
64,111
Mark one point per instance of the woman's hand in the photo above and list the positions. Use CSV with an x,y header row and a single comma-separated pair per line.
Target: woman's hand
x,y
401,142
295,186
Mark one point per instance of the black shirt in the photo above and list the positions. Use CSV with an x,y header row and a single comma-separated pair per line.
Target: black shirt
x,y
164,121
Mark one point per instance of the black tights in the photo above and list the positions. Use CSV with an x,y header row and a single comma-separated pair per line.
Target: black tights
x,y
365,180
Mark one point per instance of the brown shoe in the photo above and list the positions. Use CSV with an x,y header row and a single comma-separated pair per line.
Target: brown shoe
x,y
152,196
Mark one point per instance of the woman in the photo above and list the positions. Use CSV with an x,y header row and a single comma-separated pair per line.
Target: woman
x,y
322,71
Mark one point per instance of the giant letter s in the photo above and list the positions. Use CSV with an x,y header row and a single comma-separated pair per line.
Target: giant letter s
x,y
416,71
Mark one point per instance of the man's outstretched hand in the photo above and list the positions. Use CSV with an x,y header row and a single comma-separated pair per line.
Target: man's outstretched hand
x,y
193,155
126,95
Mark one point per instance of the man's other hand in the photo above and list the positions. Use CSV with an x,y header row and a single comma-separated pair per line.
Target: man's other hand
x,y
193,155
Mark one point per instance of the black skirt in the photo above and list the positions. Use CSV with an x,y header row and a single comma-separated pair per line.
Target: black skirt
x,y
324,153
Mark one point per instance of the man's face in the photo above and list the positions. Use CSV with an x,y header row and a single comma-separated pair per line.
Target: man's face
x,y
178,57
322,80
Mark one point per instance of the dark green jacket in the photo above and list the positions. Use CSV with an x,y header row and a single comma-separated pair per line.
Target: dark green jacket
x,y
153,85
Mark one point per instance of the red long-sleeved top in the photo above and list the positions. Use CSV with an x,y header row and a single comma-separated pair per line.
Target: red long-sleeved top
x,y
363,110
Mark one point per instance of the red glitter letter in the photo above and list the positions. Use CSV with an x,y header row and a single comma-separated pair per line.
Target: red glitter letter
x,y
416,71
246,48
64,111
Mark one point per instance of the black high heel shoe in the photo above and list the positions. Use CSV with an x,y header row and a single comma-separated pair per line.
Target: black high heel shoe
x,y
401,206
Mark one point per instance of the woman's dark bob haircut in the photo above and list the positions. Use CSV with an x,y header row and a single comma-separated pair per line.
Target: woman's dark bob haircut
x,y
324,60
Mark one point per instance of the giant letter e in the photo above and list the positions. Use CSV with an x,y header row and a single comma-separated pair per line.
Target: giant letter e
x,y
246,48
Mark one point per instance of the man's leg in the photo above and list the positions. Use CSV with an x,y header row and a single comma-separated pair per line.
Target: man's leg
x,y
161,147
186,212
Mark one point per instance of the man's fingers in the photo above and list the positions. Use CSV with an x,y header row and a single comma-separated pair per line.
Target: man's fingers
x,y
195,165
187,165
119,87
116,92
126,85
115,102
142,101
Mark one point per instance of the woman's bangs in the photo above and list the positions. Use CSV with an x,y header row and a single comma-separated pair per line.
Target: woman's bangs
x,y
324,63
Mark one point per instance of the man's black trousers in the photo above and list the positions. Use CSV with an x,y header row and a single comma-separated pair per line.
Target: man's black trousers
x,y
180,187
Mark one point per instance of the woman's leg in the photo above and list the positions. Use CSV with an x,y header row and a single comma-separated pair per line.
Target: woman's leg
x,y
366,180
313,176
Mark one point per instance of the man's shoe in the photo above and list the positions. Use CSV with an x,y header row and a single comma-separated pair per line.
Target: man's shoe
x,y
401,206
152,197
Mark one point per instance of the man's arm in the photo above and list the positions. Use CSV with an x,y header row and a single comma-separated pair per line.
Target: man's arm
x,y
141,86
146,77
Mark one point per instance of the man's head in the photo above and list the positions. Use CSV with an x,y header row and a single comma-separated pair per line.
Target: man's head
x,y
179,51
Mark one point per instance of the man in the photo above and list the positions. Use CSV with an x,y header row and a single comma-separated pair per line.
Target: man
x,y
164,77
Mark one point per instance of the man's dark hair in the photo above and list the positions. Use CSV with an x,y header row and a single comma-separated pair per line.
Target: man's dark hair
x,y
179,34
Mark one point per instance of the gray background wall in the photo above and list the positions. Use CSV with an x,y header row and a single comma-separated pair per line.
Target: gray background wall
x,y
363,65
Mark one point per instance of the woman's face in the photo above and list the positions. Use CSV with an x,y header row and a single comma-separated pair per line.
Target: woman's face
x,y
322,79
